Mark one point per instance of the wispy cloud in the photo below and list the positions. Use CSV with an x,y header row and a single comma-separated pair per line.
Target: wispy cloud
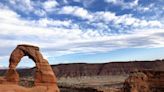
x,y
65,41
76,11
110,17
123,4
84,32
49,5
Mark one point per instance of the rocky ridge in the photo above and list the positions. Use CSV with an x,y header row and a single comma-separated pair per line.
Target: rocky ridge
x,y
84,69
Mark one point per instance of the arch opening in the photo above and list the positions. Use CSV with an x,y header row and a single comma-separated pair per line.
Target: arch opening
x,y
26,62
25,69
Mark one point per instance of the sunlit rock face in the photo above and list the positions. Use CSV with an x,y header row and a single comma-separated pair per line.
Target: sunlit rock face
x,y
136,82
145,81
45,80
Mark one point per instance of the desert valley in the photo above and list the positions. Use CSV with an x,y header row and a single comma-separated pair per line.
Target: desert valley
x,y
105,77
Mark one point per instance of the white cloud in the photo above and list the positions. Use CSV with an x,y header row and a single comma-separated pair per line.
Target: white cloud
x,y
126,19
155,23
76,11
143,9
50,22
8,15
28,6
113,1
54,39
109,17
124,4
85,3
25,5
134,3
48,5
106,16
40,12
150,10
65,2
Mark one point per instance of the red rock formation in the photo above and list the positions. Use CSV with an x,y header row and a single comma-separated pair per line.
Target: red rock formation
x,y
155,80
136,82
105,69
145,81
45,79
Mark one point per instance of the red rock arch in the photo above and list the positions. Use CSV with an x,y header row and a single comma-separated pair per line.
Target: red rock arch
x,y
44,74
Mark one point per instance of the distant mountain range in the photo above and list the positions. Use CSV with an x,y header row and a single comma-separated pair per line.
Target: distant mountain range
x,y
103,69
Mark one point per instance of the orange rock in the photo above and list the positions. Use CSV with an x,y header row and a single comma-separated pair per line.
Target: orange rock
x,y
45,80
145,81
136,82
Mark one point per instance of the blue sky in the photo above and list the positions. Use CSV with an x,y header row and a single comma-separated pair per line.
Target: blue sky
x,y
90,31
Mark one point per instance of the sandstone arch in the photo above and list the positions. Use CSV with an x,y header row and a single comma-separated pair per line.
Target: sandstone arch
x,y
44,75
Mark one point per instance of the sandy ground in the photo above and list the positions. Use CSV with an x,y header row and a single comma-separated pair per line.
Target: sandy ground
x,y
112,82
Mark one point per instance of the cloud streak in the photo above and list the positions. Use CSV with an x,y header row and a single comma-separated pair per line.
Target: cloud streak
x,y
64,40
96,32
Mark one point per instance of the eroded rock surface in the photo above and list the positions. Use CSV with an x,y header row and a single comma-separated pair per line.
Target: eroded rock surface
x,y
105,69
45,80
145,81
136,82
155,80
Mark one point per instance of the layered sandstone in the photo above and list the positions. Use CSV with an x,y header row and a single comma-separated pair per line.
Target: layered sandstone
x,y
105,69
